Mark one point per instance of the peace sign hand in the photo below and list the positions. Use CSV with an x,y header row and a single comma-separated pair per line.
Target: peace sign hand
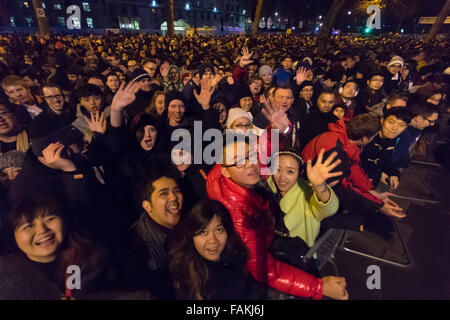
x,y
321,171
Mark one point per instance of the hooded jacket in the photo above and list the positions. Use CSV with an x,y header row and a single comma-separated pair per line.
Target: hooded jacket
x,y
354,178
252,218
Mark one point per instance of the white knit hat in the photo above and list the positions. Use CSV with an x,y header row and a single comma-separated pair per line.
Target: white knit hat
x,y
236,113
395,60
265,69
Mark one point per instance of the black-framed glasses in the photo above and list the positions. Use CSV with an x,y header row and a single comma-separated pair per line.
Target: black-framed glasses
x,y
251,158
51,98
432,122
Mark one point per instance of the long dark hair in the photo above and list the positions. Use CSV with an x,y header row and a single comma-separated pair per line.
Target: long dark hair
x,y
189,270
76,246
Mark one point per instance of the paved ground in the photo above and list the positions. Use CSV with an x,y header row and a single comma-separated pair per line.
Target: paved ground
x,y
426,231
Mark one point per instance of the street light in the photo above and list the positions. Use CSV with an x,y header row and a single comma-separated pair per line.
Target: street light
x,y
320,17
187,6
153,3
215,9
349,13
243,11
276,14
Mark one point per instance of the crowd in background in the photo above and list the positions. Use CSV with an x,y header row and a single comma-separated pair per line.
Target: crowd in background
x,y
92,176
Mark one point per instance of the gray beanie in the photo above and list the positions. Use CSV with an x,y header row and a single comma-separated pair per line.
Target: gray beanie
x,y
12,159
265,69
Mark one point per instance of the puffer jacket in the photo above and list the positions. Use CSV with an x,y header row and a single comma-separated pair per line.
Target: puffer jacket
x,y
252,218
354,178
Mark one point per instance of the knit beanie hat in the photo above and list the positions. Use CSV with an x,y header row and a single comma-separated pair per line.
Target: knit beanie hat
x,y
306,83
396,60
173,95
236,113
146,120
205,67
12,159
139,74
265,69
243,92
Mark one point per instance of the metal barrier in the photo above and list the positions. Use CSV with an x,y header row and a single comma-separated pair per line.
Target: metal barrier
x,y
324,248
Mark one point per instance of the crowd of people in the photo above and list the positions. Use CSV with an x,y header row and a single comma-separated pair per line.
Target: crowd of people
x,y
92,176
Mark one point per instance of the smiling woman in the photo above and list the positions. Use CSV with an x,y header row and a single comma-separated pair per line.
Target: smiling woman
x,y
207,257
39,230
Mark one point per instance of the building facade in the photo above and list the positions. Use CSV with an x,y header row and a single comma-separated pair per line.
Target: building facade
x,y
97,15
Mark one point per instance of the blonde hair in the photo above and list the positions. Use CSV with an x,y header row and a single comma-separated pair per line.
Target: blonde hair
x,y
13,80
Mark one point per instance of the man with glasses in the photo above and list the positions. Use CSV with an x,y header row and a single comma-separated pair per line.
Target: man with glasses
x,y
234,183
424,115
56,103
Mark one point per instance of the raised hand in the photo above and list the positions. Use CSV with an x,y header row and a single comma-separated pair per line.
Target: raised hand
x,y
277,118
124,96
301,75
52,158
97,122
321,171
216,80
206,91
245,58
164,69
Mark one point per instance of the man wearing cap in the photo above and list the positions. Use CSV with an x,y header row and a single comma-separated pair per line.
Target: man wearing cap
x,y
144,94
392,74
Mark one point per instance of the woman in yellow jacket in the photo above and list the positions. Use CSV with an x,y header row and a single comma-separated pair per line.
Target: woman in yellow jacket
x,y
305,204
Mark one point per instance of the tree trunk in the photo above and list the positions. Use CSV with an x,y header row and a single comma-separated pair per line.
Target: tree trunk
x,y
258,13
42,21
439,22
327,27
169,18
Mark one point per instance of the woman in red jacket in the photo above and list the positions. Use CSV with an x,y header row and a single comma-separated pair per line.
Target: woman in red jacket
x,y
234,184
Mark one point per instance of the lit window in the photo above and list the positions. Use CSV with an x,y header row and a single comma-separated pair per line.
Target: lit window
x,y
136,25
29,22
13,21
62,21
86,7
90,23
57,6
76,23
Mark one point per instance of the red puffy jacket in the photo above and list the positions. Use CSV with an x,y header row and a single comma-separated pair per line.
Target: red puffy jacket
x,y
252,220
336,139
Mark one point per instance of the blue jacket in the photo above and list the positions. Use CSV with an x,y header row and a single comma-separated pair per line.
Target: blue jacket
x,y
400,156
